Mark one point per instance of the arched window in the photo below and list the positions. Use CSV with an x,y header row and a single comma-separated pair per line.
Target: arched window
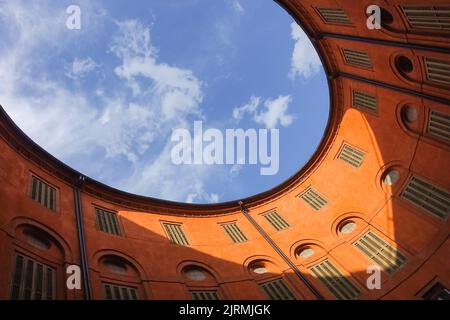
x,y
38,259
201,283
120,278
271,281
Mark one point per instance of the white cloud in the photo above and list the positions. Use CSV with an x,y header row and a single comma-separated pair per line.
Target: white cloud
x,y
179,91
210,198
275,113
162,178
225,28
250,107
114,126
45,104
305,61
236,5
81,67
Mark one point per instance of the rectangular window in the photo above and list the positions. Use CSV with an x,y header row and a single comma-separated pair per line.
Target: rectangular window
x,y
438,70
205,295
276,220
364,101
43,193
424,195
357,58
176,234
107,221
116,292
32,280
234,232
437,292
277,290
334,15
351,155
314,199
380,251
428,17
439,125
341,287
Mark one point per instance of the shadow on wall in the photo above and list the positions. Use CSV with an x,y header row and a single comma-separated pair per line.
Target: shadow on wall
x,y
149,267
166,270
405,232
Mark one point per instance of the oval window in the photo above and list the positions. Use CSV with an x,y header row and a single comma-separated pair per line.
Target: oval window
x,y
37,241
306,253
260,270
116,267
348,227
195,274
391,177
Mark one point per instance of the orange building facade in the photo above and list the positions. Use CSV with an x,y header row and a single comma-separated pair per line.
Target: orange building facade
x,y
375,195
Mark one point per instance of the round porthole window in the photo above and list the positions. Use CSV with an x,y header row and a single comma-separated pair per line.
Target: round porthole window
x,y
409,114
391,177
348,227
404,64
260,270
195,274
306,253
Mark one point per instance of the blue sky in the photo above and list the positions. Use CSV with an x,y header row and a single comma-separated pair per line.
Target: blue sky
x,y
105,99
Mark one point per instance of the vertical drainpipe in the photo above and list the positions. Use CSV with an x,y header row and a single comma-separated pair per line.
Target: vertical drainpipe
x,y
81,238
280,252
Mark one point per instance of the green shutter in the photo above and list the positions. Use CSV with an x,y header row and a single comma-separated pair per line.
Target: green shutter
x,y
234,232
314,199
429,197
341,287
32,280
276,221
352,156
118,292
176,234
380,251
277,290
43,193
107,221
